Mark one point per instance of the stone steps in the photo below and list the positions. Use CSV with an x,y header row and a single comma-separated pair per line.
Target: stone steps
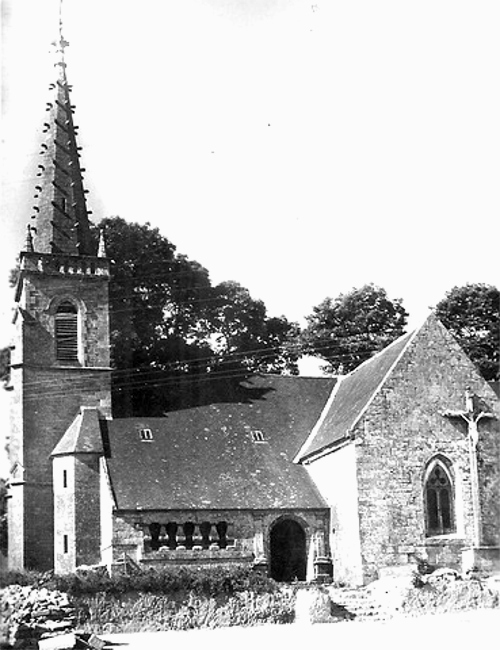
x,y
356,604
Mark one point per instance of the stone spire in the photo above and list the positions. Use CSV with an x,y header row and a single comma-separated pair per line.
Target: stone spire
x,y
62,224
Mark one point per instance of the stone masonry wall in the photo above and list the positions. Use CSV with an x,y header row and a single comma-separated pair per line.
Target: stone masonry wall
x,y
400,432
248,535
87,506
77,531
64,482
43,293
47,396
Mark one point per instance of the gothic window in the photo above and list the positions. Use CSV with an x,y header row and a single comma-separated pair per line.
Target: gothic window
x,y
439,501
66,331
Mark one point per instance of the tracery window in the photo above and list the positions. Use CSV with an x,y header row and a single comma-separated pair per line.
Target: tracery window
x,y
439,501
66,332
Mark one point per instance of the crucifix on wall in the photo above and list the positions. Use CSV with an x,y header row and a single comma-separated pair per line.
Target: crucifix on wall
x,y
471,415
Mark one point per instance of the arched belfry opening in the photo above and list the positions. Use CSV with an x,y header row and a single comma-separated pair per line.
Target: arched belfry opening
x,y
66,332
288,551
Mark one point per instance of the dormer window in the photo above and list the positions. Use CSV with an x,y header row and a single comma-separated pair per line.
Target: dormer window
x,y
257,436
146,435
66,332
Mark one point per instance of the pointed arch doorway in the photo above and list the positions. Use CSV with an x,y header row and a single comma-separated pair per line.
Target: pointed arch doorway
x,y
288,551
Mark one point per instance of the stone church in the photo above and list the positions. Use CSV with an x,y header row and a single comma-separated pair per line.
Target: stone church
x,y
394,464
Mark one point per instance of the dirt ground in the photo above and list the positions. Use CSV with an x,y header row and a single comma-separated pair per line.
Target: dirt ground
x,y
455,630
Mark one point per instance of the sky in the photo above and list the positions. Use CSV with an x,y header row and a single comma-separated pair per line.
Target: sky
x,y
300,148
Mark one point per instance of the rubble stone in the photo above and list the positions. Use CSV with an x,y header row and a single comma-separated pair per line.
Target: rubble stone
x,y
31,616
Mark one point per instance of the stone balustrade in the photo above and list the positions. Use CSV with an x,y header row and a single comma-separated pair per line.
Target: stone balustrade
x,y
187,536
65,264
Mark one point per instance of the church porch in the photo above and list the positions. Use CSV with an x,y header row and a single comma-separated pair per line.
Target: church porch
x,y
224,538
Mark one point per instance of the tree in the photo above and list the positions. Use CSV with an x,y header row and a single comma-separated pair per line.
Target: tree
x,y
350,329
243,335
158,302
170,327
472,314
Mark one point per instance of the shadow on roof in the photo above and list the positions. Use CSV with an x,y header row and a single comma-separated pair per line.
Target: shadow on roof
x,y
172,393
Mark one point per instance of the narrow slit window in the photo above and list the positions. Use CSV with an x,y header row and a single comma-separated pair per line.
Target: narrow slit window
x,y
65,478
66,331
65,543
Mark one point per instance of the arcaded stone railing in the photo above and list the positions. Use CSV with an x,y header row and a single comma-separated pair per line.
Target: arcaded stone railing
x,y
177,538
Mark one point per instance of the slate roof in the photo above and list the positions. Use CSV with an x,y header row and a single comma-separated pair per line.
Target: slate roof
x,y
83,436
205,458
351,396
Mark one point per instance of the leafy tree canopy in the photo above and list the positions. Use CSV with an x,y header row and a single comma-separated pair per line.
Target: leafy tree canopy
x,y
351,328
170,327
472,314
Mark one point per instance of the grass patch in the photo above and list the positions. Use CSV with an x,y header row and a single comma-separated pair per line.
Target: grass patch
x,y
148,612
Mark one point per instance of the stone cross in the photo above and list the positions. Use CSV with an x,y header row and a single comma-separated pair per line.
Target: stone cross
x,y
472,414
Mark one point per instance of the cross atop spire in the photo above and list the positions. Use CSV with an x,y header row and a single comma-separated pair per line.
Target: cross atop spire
x,y
61,43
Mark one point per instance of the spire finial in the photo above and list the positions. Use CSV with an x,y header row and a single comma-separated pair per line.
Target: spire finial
x,y
101,250
61,43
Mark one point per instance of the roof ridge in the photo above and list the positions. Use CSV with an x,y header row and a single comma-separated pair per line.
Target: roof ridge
x,y
411,336
383,363
320,420
380,352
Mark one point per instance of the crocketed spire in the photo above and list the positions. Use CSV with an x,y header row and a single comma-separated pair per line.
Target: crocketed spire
x,y
61,215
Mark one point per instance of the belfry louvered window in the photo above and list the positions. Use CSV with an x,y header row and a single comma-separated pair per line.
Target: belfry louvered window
x,y
66,330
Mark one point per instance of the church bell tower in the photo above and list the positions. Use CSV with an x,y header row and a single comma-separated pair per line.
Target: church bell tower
x,y
60,356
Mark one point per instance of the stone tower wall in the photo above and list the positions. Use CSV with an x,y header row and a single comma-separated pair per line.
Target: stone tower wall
x,y
48,394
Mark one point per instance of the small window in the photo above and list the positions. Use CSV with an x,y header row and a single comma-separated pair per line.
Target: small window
x,y
65,543
146,435
257,436
65,478
439,502
66,331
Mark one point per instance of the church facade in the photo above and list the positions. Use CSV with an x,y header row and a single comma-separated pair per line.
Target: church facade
x,y
393,465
